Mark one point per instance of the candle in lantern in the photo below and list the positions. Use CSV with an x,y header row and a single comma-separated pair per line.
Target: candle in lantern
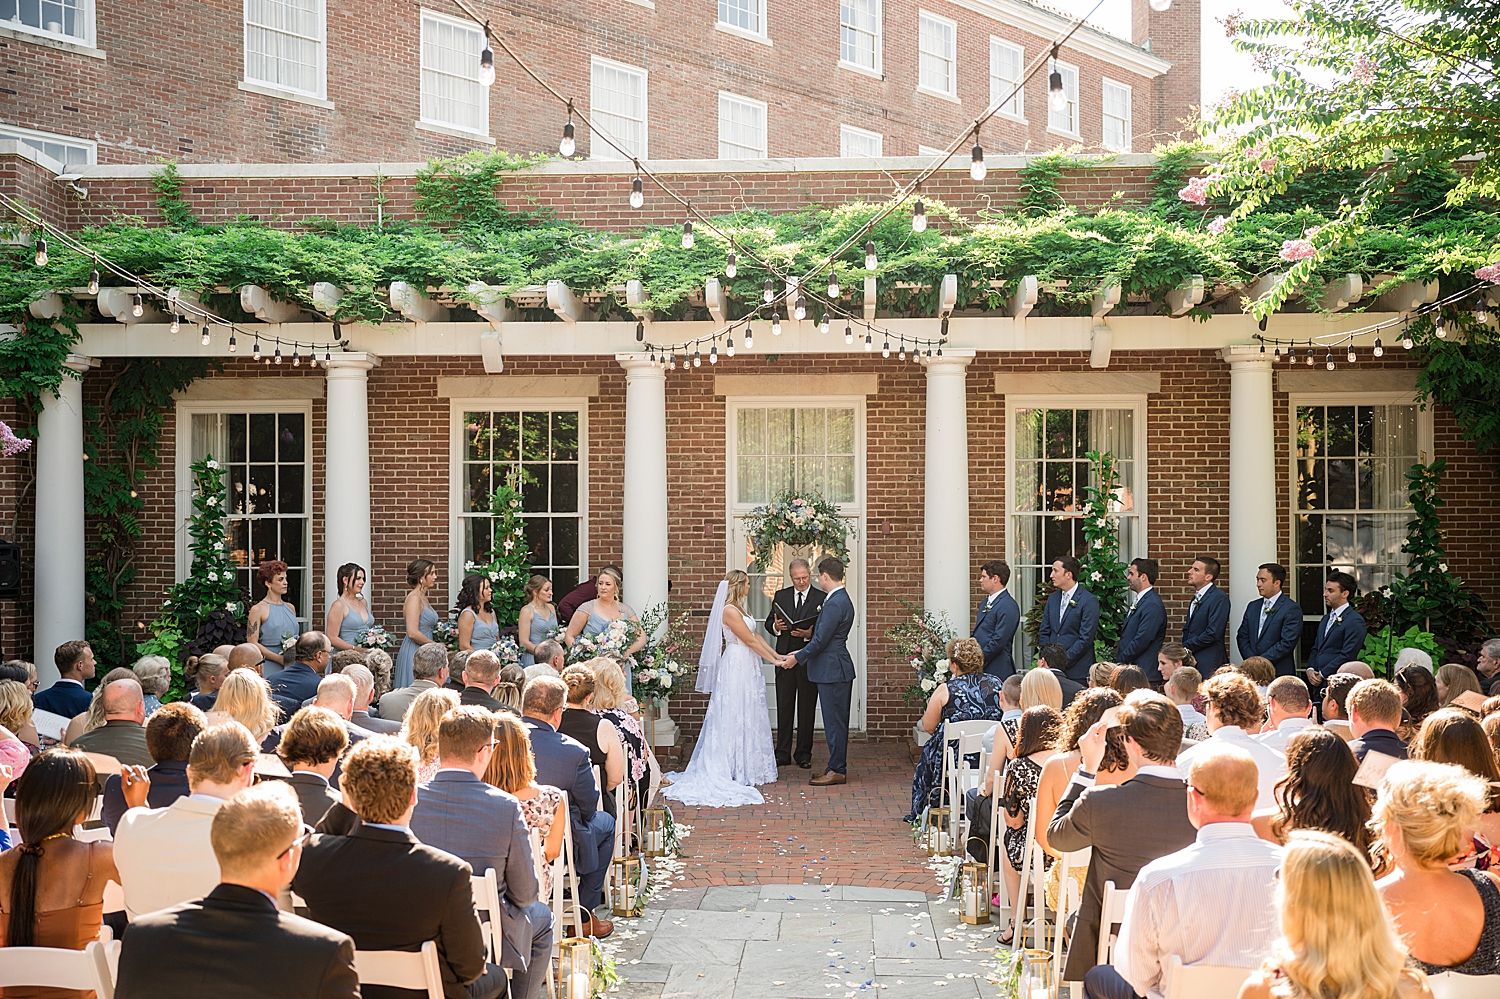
x,y
579,986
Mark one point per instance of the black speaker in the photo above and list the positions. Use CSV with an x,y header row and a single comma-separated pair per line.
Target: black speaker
x,y
10,571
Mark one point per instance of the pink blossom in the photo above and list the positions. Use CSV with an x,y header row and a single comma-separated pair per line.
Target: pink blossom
x,y
10,444
1218,225
1297,249
1489,272
1268,165
1312,232
1196,191
1364,70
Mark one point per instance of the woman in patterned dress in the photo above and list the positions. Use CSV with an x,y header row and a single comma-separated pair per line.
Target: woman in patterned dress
x,y
972,695
513,769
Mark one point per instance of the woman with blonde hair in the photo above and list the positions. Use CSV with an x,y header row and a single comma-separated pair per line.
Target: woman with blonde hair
x,y
93,718
206,674
537,620
513,770
614,705
1336,940
418,615
245,697
593,617
1453,679
970,694
15,727
420,727
1453,735
1040,686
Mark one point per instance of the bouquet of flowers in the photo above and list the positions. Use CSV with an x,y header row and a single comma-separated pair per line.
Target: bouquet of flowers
x,y
508,651
659,666
799,519
922,640
446,632
374,637
616,638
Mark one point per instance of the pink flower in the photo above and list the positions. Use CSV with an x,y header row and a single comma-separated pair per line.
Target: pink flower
x,y
1218,225
1364,70
10,444
1268,165
1311,233
1297,249
1196,191
1489,272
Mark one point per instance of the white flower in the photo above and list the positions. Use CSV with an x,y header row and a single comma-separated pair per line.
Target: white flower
x,y
212,463
213,577
1096,576
212,501
218,546
229,606
1443,566
929,685
509,544
1098,542
519,531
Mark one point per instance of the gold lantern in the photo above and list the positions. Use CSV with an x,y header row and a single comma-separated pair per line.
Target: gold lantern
x,y
974,894
575,968
1036,975
939,831
654,843
629,885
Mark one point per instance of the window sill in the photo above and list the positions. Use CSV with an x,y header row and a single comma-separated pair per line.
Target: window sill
x,y
1007,116
46,40
285,95
940,95
855,67
752,36
1065,134
1115,149
457,133
643,3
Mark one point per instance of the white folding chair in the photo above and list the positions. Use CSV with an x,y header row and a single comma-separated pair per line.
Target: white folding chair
x,y
1033,874
1206,981
563,869
1111,912
1069,901
61,968
487,901
997,839
1450,985
402,969
99,834
964,739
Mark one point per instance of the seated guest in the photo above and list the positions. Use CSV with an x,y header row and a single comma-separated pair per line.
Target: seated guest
x,y
456,663
1453,679
1336,704
164,854
1100,672
1212,902
1235,711
364,690
599,736
18,738
1336,939
1291,708
1492,729
245,697
513,771
481,672
1124,679
617,707
299,681
1356,668
970,695
1374,714
549,660
508,690
379,662
563,763
480,824
169,740
433,887
1318,792
1127,826
52,887
1452,735
310,746
1055,658
1419,696
234,943
1411,656
1036,742
1487,667
206,674
1181,688
1010,717
420,729
1173,657
66,696
429,670
336,694
1260,671
344,658
155,676
123,734
93,718
1449,919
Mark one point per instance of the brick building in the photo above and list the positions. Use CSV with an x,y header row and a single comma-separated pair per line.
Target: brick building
x,y
306,81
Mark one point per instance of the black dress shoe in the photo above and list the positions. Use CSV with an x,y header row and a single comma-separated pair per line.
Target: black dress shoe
x,y
783,761
805,764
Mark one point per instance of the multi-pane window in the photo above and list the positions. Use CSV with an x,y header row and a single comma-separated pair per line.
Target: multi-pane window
x,y
1005,77
539,448
746,15
284,45
69,19
1116,116
859,33
618,100
856,142
66,150
742,128
937,42
1065,120
264,458
784,447
451,92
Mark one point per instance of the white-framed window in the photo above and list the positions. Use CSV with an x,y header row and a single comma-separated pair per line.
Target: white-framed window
x,y
1066,120
617,97
66,149
264,451
285,45
743,15
742,128
929,151
1007,63
452,95
859,34
542,443
1116,106
937,54
856,142
64,20
1048,469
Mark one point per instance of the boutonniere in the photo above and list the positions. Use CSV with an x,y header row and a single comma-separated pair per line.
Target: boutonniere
x,y
1072,603
1271,611
1337,621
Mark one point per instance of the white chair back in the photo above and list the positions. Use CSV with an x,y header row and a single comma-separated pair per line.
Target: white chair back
x,y
1033,876
1203,981
1069,901
487,911
99,834
1450,985
402,969
1112,912
59,968
997,841
563,869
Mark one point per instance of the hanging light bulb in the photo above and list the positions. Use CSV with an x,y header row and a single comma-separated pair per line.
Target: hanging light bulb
x,y
800,308
1379,350
1291,354
768,294
697,358
848,333
885,351
1439,328
671,361
206,339
1481,314
901,355
776,323
687,235
138,308
1161,5
731,265
296,360
327,356
1309,355
1276,355
278,353
41,253
640,331
1328,362
567,146
823,324
870,262
1057,94
1352,358
1406,340
637,195
940,350
713,354
1262,348
176,323
652,357
729,347
749,337
977,169
869,341
929,351
919,217
487,64
94,281
255,351
833,285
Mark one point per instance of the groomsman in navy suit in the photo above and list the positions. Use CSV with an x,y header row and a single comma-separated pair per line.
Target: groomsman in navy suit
x,y
1071,618
996,620
1146,621
1273,623
831,667
1341,633
1206,627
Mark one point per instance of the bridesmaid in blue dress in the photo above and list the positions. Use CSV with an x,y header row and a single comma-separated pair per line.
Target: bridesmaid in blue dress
x,y
421,576
272,621
538,618
350,613
477,627
598,614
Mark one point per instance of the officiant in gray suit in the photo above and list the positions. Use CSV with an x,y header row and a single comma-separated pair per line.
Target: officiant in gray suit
x,y
796,695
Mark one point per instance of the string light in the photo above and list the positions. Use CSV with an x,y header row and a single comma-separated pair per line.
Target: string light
x,y
138,308
1406,341
1329,361
1057,95
1276,355
823,324
1481,314
41,253
255,353
296,360
848,333
278,352
977,169
919,217
776,323
206,339
567,146
1352,358
1439,329
687,235
1262,348
749,337
697,358
713,354
885,351
176,323
94,279
1309,354
800,308
1379,350
1291,354
869,340
729,348
902,355
833,285
870,262
487,60
731,265
638,196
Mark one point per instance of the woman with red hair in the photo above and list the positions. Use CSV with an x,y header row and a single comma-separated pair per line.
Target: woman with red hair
x,y
272,620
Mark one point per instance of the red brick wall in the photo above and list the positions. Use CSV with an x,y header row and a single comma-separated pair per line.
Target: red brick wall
x,y
1175,35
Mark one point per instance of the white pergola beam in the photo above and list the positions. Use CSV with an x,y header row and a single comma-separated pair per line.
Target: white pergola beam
x,y
490,353
561,300
1024,298
713,297
870,295
1408,297
948,294
635,294
1103,343
1180,300
119,304
1264,285
415,305
258,301
491,304
326,297
49,306
1106,298
1339,294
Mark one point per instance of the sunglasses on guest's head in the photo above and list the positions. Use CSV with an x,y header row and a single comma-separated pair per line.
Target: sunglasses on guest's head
x,y
307,831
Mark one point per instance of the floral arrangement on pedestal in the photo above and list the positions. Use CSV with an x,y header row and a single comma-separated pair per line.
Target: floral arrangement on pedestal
x,y
508,566
616,638
922,640
375,637
659,667
800,519
1103,572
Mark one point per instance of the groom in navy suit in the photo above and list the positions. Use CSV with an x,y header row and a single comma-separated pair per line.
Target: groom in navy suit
x,y
1206,627
1341,633
996,619
1071,618
1273,624
1145,622
830,666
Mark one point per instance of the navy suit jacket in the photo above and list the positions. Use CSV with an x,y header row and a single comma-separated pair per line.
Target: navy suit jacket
x,y
1076,633
827,652
1341,645
1278,639
292,686
1145,629
63,698
1205,631
563,762
995,631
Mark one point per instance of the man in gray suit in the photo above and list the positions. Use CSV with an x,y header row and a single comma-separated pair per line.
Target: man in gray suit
x,y
429,669
459,813
1129,825
364,691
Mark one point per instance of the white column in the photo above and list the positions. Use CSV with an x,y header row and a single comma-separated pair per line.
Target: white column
x,y
1252,474
59,519
945,521
346,472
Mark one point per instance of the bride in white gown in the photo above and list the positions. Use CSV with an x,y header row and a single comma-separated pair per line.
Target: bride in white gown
x,y
734,751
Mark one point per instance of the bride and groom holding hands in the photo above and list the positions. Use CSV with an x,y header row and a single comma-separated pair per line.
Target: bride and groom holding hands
x,y
734,751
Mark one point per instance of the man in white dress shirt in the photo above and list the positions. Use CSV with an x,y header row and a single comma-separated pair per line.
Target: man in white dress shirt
x,y
1234,712
1291,708
1213,902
